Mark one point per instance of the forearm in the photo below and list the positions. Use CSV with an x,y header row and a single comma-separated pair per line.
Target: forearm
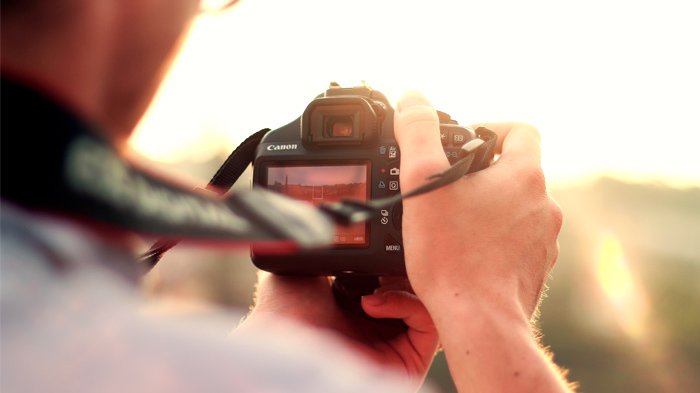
x,y
492,349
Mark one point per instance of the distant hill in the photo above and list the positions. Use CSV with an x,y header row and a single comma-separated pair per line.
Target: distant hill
x,y
651,217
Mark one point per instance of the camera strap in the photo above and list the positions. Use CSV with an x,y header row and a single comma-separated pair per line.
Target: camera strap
x,y
224,178
82,177
55,163
475,155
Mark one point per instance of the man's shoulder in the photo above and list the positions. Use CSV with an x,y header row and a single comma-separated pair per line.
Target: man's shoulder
x,y
80,327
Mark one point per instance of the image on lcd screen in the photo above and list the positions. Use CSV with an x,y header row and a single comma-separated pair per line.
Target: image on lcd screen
x,y
317,184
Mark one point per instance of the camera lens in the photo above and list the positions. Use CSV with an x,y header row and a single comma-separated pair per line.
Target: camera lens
x,y
339,127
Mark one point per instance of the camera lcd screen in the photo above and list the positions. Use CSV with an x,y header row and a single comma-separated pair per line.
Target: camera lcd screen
x,y
325,183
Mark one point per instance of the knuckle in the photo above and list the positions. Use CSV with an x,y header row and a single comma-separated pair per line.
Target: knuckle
x,y
531,180
415,122
418,135
555,254
557,215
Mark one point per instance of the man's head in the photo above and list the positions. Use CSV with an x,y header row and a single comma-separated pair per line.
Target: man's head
x,y
105,58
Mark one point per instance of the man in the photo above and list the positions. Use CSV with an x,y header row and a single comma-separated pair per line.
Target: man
x,y
70,319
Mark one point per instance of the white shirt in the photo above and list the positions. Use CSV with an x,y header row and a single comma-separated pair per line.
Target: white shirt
x,y
71,322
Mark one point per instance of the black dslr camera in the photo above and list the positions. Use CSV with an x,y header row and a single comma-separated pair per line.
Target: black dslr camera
x,y
343,146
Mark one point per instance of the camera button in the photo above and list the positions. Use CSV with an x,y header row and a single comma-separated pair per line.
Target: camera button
x,y
459,138
394,185
392,153
444,137
391,245
452,155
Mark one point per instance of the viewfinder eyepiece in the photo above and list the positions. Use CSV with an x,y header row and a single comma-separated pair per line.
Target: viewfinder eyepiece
x,y
338,121
339,127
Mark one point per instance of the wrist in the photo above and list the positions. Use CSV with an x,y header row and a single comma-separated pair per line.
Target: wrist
x,y
499,303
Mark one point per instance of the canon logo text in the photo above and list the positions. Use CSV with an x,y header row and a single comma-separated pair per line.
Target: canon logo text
x,y
292,146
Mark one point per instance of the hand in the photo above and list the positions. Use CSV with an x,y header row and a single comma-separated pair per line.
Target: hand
x,y
491,236
478,252
310,300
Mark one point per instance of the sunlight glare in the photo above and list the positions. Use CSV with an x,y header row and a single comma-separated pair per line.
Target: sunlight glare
x,y
605,99
620,288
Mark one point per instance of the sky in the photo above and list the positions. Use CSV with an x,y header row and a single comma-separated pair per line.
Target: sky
x,y
613,86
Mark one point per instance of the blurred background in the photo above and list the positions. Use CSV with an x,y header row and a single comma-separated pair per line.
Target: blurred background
x,y
613,86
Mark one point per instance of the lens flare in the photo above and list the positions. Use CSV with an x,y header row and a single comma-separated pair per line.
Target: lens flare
x,y
627,300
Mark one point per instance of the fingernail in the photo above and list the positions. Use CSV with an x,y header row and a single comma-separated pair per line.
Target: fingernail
x,y
374,300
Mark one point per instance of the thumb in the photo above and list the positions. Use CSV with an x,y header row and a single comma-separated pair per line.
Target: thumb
x,y
417,131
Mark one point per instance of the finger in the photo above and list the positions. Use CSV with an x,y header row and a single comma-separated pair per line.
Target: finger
x,y
518,141
417,131
399,305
